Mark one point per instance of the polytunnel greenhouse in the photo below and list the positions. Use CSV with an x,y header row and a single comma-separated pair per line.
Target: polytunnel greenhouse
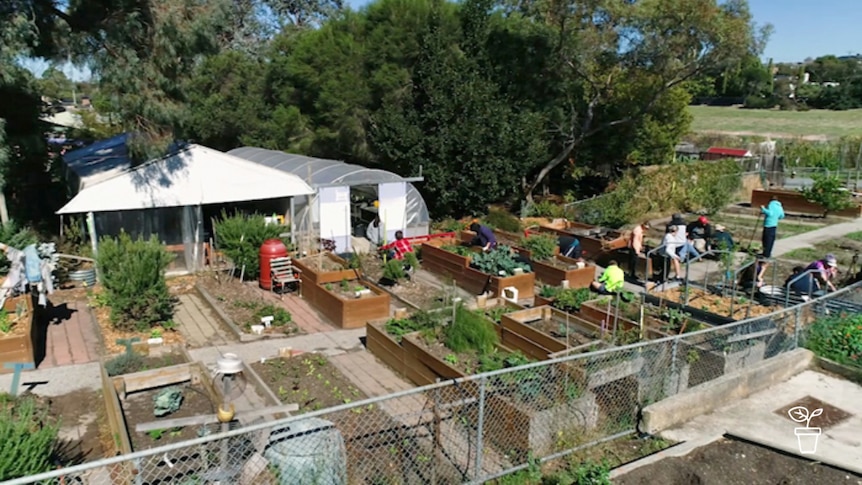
x,y
347,198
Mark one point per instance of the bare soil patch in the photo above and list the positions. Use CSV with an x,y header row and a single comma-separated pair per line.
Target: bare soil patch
x,y
717,304
409,290
731,462
80,411
138,408
245,304
322,263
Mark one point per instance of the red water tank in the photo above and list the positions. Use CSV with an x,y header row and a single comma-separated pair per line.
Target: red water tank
x,y
269,250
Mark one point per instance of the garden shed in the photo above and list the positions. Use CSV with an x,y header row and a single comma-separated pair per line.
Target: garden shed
x,y
171,196
348,197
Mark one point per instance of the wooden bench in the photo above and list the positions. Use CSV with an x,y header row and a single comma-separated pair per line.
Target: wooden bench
x,y
284,273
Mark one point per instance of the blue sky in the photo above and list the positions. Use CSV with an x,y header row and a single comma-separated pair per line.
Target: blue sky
x,y
803,28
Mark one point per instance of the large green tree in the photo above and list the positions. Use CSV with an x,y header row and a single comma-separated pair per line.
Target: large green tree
x,y
604,44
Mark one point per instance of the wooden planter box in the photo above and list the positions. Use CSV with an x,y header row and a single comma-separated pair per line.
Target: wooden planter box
x,y
696,313
599,314
518,333
352,313
593,243
554,276
311,276
393,354
466,236
19,347
457,267
185,462
794,201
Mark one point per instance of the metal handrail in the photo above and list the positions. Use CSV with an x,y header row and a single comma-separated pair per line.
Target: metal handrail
x,y
650,268
688,262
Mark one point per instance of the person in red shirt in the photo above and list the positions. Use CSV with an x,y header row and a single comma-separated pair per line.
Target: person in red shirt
x,y
399,247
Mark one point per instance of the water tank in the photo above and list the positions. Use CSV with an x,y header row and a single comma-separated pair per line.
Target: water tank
x,y
269,250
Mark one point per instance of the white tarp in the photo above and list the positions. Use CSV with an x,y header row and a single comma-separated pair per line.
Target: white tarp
x,y
393,207
196,175
335,216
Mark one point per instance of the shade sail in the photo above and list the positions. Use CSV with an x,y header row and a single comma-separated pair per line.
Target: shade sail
x,y
195,175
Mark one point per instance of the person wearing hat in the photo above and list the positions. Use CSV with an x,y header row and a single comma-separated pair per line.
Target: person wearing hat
x,y
721,239
700,233
824,271
772,213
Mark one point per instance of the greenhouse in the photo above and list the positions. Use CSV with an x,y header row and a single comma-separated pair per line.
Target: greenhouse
x,y
348,197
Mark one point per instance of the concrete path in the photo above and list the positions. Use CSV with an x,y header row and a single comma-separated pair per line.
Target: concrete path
x,y
331,343
56,381
808,239
755,418
198,324
72,336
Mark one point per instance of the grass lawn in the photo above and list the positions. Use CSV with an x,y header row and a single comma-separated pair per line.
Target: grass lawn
x,y
843,248
741,227
796,123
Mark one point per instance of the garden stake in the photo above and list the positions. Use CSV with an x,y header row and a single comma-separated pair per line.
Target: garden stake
x,y
753,232
128,342
17,367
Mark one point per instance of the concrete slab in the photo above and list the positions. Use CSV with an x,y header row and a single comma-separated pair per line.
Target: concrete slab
x,y
57,381
754,418
331,343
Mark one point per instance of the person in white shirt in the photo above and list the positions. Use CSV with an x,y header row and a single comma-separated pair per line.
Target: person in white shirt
x,y
671,245
373,232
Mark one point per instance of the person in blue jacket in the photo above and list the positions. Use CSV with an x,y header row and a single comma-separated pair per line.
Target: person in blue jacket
x,y
772,213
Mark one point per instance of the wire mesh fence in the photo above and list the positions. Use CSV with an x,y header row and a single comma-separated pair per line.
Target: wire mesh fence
x,y
471,429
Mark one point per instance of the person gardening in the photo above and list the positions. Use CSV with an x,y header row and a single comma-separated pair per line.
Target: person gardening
x,y
772,213
399,247
803,286
484,237
700,232
570,247
752,276
722,240
824,271
611,281
681,242
636,247
671,245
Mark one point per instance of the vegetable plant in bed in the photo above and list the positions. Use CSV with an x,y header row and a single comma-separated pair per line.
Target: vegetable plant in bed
x,y
499,262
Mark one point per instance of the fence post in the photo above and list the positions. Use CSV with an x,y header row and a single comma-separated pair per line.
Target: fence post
x,y
479,430
673,369
797,326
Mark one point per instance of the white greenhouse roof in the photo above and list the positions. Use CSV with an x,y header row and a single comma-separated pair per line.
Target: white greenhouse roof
x,y
322,172
195,175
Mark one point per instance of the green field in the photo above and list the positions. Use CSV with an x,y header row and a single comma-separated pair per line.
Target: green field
x,y
814,123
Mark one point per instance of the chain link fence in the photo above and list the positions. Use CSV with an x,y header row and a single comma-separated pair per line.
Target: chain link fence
x,y
472,429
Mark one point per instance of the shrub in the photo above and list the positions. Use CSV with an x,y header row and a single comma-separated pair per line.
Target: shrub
x,y
28,438
125,363
541,246
280,316
18,237
471,331
837,338
133,274
545,208
240,237
571,299
828,191
502,220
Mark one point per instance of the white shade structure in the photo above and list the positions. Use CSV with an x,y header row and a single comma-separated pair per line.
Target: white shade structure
x,y
193,176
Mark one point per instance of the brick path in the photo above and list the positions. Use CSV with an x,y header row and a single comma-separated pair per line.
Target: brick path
x,y
198,324
71,335
303,314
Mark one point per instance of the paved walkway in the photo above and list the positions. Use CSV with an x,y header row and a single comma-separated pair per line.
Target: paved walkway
x,y
198,324
330,343
808,239
755,418
305,317
71,335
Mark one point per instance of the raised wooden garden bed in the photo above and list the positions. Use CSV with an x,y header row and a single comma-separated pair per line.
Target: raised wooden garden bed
x,y
595,240
510,239
541,331
410,291
457,267
324,268
560,268
339,302
793,201
716,304
17,333
129,401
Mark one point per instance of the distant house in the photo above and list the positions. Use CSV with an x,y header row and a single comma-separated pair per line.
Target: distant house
x,y
718,153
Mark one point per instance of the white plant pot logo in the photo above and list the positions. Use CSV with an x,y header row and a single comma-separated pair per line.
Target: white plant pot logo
x,y
807,436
